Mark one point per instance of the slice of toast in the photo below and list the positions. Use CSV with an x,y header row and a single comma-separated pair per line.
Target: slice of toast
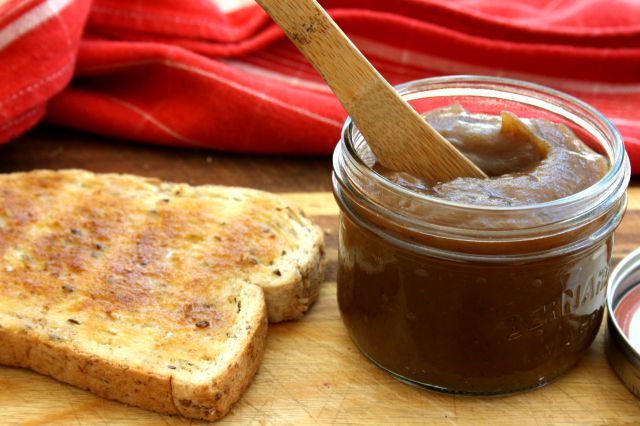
x,y
145,292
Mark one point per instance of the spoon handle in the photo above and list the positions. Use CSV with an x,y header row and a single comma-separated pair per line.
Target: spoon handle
x,y
397,134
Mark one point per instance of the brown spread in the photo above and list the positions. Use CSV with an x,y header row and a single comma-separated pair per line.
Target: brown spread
x,y
473,325
529,161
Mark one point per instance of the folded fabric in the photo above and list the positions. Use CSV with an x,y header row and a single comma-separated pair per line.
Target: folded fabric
x,y
193,73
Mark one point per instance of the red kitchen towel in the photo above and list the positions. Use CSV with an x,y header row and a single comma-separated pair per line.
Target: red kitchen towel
x,y
192,73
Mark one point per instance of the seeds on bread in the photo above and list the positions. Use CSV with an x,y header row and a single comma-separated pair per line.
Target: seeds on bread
x,y
146,292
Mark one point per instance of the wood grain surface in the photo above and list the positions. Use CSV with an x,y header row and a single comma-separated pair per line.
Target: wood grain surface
x,y
312,373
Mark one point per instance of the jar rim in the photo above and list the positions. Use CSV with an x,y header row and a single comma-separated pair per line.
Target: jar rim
x,y
617,156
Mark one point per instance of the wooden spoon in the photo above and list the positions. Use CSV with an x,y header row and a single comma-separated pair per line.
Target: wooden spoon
x,y
399,137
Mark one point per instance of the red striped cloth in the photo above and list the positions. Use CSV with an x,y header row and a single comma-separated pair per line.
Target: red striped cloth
x,y
188,73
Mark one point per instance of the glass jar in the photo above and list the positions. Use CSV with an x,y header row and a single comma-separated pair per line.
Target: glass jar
x,y
472,299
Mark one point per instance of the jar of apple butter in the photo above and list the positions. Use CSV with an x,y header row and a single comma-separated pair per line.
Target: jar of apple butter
x,y
482,286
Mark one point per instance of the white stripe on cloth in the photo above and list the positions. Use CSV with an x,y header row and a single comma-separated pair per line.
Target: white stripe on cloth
x,y
228,6
623,122
35,85
220,79
277,76
253,92
448,66
151,119
16,9
22,117
31,20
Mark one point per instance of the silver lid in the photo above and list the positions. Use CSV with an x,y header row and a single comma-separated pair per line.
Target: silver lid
x,y
623,345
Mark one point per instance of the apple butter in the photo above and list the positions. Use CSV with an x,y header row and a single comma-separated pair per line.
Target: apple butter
x,y
480,286
529,161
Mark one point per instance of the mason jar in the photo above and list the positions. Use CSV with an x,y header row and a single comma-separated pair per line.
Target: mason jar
x,y
473,299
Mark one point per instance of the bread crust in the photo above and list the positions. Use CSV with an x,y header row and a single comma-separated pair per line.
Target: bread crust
x,y
292,299
212,399
87,261
208,399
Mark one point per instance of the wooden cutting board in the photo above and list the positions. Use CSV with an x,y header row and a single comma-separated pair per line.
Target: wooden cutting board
x,y
312,373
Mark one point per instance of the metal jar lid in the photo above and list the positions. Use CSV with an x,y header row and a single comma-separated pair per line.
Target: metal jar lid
x,y
623,322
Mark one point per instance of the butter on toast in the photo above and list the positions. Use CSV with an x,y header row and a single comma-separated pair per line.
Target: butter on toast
x,y
146,292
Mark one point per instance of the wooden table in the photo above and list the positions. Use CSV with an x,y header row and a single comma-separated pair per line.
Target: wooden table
x,y
311,373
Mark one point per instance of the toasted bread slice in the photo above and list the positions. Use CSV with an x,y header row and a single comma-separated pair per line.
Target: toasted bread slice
x,y
146,292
